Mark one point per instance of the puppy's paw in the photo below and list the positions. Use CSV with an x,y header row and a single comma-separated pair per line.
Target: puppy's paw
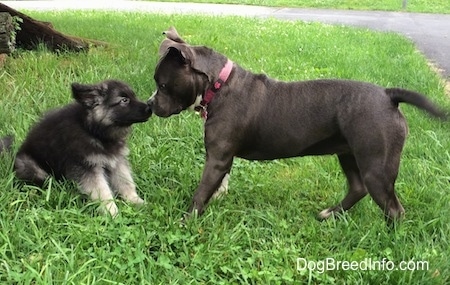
x,y
109,208
138,201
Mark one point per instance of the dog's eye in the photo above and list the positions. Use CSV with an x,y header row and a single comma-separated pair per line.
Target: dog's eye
x,y
124,101
162,86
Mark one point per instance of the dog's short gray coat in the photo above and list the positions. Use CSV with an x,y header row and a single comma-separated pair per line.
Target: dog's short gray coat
x,y
259,118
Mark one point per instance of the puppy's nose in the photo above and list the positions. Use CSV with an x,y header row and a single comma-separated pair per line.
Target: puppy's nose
x,y
150,102
148,109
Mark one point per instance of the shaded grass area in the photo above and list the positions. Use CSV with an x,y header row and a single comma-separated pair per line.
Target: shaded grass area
x,y
418,6
256,233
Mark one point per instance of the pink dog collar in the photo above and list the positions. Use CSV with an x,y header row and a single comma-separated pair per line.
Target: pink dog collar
x,y
209,94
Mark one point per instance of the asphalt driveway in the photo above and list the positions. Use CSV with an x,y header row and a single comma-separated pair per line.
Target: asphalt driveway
x,y
430,32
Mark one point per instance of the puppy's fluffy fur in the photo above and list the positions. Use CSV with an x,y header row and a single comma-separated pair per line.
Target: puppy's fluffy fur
x,y
86,142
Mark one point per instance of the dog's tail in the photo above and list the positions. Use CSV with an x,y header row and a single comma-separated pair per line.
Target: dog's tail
x,y
399,95
6,143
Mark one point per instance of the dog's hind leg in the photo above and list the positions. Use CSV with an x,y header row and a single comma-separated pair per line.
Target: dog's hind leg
x,y
27,169
122,182
95,185
356,188
379,170
379,180
376,141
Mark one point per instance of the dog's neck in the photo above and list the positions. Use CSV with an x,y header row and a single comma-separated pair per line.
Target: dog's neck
x,y
211,92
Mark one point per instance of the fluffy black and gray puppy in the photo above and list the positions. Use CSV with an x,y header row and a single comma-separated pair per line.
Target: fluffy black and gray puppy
x,y
86,142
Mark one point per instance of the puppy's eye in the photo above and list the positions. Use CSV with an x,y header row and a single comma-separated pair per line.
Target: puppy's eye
x,y
162,86
124,101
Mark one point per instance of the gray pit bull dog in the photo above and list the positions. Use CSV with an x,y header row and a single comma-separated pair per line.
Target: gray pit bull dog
x,y
258,118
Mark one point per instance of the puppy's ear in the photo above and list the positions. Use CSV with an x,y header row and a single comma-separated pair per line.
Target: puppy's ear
x,y
88,96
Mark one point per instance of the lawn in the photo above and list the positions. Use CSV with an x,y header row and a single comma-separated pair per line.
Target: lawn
x,y
265,230
418,6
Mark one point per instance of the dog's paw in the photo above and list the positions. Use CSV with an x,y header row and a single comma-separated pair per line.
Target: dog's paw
x,y
183,221
188,216
325,214
109,208
138,201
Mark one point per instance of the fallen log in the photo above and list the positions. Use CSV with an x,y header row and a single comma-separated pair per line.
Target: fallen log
x,y
33,32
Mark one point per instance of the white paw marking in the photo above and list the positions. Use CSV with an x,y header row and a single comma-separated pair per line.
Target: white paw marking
x,y
109,207
223,188
325,213
136,200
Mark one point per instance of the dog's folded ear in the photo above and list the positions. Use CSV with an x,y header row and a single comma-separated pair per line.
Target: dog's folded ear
x,y
179,55
173,35
198,57
166,44
173,39
88,96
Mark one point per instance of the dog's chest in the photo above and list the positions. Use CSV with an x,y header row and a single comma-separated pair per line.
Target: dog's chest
x,y
107,158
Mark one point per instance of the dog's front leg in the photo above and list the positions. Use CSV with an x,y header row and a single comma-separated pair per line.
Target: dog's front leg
x,y
122,182
223,188
213,174
95,185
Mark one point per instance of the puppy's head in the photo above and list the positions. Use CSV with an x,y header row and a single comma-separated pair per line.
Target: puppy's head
x,y
182,74
111,102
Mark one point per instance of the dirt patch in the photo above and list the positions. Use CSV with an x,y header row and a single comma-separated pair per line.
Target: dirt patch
x,y
3,57
445,82
447,87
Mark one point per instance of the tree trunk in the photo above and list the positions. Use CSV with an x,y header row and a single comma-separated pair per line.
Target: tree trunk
x,y
33,32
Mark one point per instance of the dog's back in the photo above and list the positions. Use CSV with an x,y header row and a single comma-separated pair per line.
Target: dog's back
x,y
61,143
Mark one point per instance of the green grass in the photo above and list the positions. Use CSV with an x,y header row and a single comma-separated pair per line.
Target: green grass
x,y
420,6
256,233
